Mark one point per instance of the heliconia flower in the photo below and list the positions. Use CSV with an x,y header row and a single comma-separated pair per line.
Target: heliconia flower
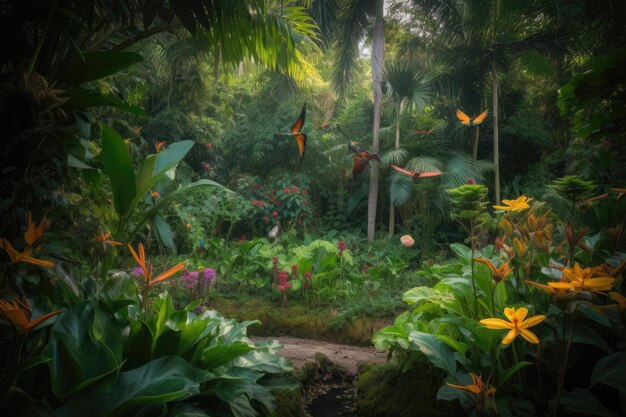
x,y
519,204
23,256
156,195
516,324
106,238
499,273
407,241
140,258
33,234
476,387
18,314
578,278
160,145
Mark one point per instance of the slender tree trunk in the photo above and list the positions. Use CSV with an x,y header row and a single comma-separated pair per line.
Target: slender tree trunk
x,y
496,138
392,207
475,136
378,56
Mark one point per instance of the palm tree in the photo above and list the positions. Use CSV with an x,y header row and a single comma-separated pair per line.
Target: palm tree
x,y
480,39
353,22
407,85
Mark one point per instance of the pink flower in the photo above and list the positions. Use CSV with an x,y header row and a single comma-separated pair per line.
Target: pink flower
x,y
254,202
283,275
206,165
341,245
294,188
260,203
286,191
265,219
305,191
307,275
470,181
365,267
209,146
407,241
274,214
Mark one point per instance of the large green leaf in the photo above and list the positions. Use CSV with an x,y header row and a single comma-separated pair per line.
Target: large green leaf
x,y
92,66
582,402
159,381
84,98
119,168
610,370
80,356
164,233
220,355
435,350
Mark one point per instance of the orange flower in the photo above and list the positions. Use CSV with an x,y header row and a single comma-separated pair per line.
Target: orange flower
x,y
18,314
24,256
156,195
106,238
476,387
516,324
159,145
548,288
188,226
33,234
407,241
499,273
619,299
147,268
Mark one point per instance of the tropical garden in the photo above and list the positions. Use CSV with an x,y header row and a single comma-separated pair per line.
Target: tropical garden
x,y
443,180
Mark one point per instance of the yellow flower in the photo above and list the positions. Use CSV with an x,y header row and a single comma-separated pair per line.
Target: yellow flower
x,y
578,278
18,314
521,203
156,195
476,387
516,324
23,256
499,273
159,145
147,268
548,288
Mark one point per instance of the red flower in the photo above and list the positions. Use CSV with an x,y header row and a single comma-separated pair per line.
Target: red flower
x,y
365,267
209,146
294,188
265,219
307,275
260,203
286,191
274,214
305,191
470,181
206,165
341,245
254,202
306,284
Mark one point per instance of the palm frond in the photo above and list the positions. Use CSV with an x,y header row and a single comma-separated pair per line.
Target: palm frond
x,y
460,168
401,189
394,156
408,82
424,164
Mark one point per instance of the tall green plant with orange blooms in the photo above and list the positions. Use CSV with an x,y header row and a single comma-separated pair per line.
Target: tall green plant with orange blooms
x,y
564,297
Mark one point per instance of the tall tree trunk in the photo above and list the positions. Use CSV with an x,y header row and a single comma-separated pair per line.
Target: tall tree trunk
x,y
378,56
496,138
392,207
475,136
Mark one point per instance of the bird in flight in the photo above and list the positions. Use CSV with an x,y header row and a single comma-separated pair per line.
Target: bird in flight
x,y
470,121
414,174
295,132
361,158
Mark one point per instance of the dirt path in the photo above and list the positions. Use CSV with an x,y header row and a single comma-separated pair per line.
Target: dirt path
x,y
301,351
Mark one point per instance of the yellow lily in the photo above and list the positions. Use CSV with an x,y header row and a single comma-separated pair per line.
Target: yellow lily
x,y
578,278
499,273
24,256
147,268
519,204
516,324
18,314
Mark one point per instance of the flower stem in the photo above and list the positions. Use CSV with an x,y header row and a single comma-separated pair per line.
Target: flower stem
x,y
563,368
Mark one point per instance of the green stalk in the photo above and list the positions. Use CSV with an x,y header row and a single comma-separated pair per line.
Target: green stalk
x,y
472,268
563,367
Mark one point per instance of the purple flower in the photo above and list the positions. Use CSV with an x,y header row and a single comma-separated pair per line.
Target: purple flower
x,y
137,272
189,278
209,275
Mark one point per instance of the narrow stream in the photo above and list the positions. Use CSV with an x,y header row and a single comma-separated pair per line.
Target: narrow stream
x,y
339,401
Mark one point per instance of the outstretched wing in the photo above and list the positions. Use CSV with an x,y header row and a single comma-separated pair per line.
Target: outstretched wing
x,y
480,118
430,174
359,165
297,126
301,141
463,118
402,170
